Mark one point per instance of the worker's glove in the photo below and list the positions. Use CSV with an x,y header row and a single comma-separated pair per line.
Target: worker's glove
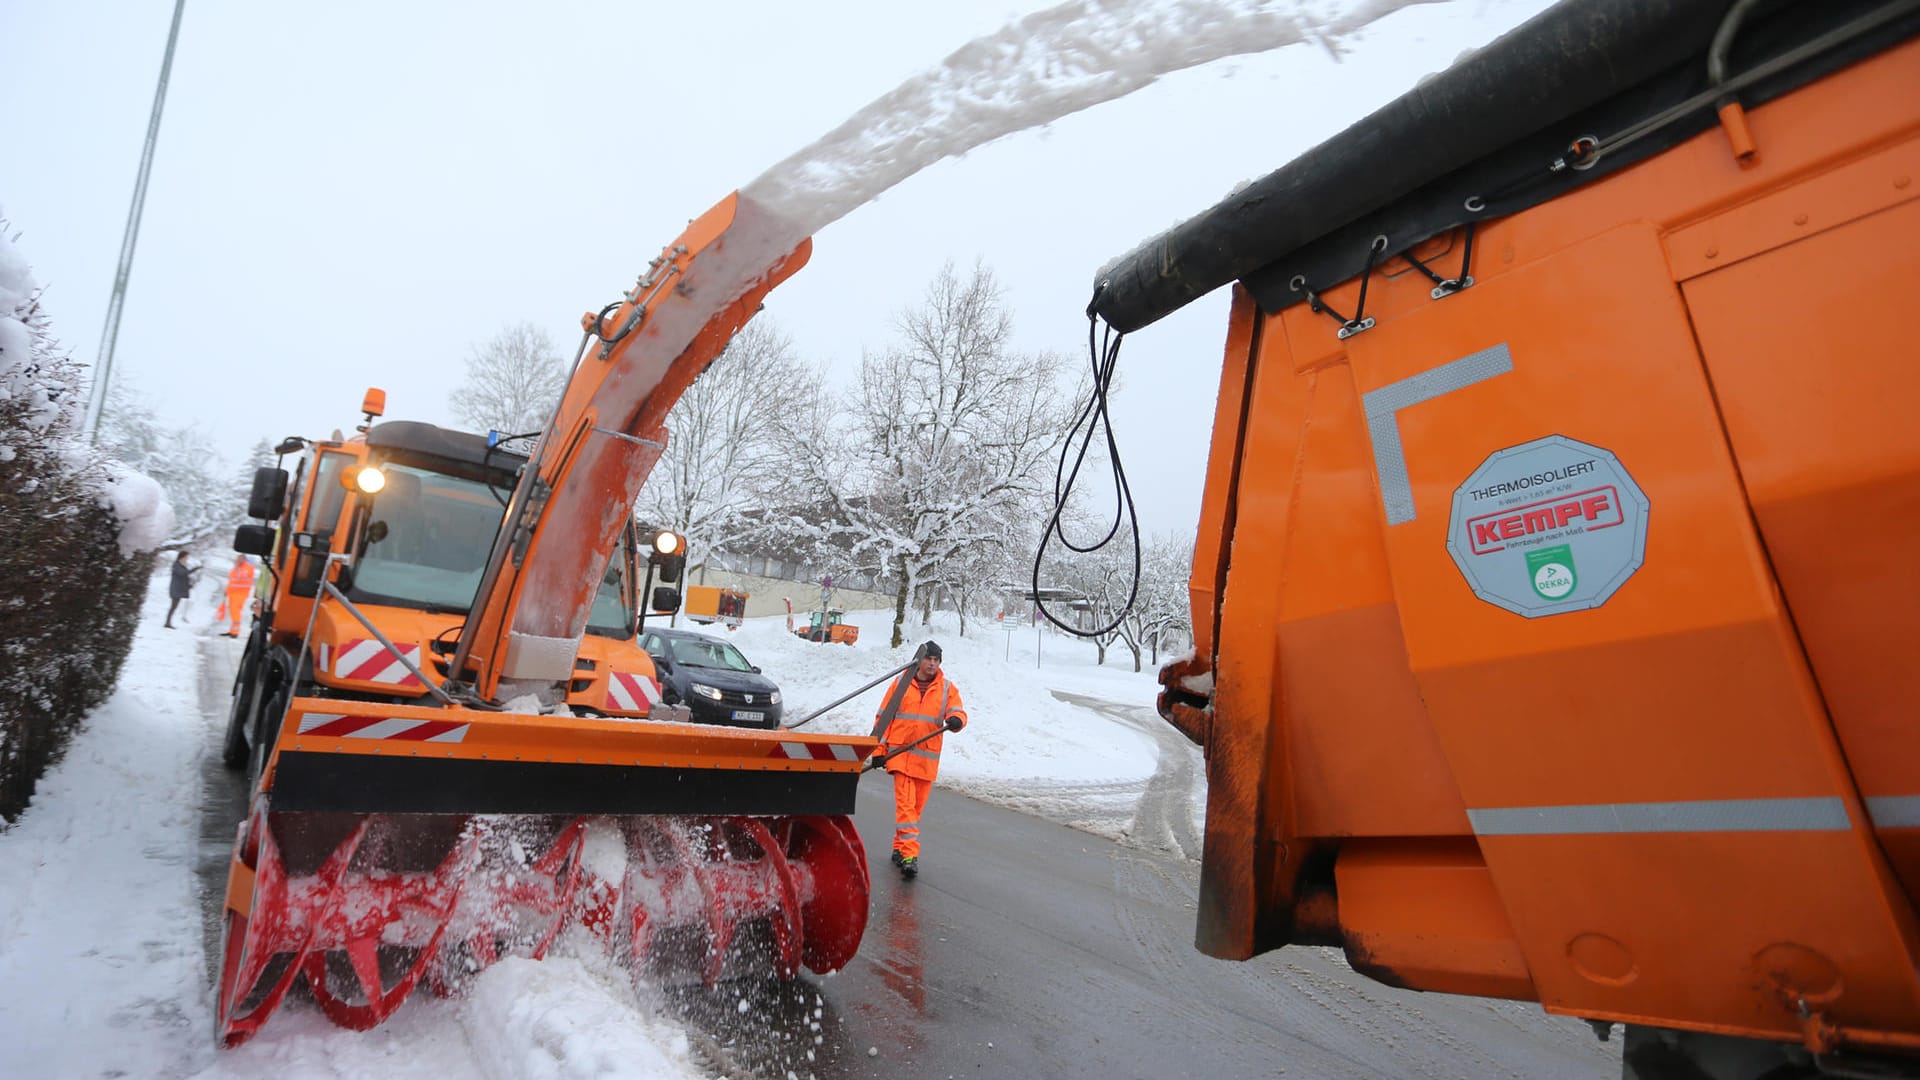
x,y
954,723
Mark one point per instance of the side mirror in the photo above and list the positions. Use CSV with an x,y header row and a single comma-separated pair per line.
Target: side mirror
x,y
669,557
253,540
755,668
268,499
666,598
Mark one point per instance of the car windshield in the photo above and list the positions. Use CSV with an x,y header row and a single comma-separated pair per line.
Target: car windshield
x,y
426,544
694,652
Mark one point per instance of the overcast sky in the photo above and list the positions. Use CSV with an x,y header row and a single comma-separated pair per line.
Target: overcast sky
x,y
354,194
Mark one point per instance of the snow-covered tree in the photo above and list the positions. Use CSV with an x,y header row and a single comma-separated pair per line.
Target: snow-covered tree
x,y
976,581
76,533
1103,578
725,452
42,389
240,488
945,443
1161,609
513,382
181,459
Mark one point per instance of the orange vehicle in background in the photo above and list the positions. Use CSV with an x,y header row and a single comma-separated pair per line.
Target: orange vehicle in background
x,y
1557,589
829,625
712,603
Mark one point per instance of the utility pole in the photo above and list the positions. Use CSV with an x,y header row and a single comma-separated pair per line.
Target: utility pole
x,y
110,333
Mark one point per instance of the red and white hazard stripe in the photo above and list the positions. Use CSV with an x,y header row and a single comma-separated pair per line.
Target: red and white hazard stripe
x,y
334,725
366,660
815,751
631,693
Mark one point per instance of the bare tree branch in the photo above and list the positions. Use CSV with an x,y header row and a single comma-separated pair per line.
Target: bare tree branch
x,y
513,382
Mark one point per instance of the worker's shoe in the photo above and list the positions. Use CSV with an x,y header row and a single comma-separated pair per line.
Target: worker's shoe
x,y
897,857
910,866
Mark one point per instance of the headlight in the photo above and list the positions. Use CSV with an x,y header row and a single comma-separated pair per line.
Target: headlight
x,y
773,698
706,691
365,478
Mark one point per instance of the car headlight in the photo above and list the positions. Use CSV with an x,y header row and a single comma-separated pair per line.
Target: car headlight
x,y
773,698
706,691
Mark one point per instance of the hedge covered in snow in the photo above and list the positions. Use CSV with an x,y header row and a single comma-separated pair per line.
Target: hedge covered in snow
x,y
77,536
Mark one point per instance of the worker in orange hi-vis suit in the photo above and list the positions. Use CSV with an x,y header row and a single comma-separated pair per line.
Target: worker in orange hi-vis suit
x,y
929,707
239,593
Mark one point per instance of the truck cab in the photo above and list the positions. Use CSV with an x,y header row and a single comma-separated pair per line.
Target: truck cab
x,y
413,510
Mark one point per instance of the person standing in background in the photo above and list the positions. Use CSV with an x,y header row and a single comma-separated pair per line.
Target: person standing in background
x,y
181,585
239,592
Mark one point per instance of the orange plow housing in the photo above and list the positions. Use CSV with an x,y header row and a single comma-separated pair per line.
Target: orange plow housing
x,y
393,844
1557,583
422,806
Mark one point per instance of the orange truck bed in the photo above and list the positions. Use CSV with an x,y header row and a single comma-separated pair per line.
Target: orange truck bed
x,y
1556,628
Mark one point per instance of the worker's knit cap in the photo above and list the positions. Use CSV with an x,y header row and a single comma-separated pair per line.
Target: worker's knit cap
x,y
931,648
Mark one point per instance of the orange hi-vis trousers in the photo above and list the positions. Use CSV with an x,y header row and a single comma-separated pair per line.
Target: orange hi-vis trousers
x,y
237,600
909,800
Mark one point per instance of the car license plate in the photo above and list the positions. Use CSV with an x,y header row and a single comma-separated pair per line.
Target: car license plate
x,y
748,714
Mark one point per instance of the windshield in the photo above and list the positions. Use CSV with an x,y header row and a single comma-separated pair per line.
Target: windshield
x,y
426,543
711,654
427,539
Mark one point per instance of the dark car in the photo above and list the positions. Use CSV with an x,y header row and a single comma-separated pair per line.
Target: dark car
x,y
710,677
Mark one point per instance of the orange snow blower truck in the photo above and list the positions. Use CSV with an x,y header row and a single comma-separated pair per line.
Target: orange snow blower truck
x,y
455,746
1557,586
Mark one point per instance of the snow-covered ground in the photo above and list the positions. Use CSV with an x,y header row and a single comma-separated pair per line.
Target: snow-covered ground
x,y
102,971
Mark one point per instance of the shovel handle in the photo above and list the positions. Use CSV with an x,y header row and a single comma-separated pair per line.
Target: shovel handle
x,y
880,760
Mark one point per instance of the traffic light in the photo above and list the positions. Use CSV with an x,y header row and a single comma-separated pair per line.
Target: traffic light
x,y
669,554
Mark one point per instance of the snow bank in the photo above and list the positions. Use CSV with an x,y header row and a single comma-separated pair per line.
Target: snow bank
x,y
554,1018
103,927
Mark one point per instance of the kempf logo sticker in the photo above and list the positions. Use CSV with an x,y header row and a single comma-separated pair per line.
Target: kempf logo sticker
x,y
1549,526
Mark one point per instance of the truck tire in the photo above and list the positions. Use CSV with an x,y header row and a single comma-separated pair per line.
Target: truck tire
x,y
233,749
278,688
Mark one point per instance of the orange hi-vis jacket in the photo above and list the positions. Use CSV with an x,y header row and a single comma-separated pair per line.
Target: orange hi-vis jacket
x,y
921,711
240,578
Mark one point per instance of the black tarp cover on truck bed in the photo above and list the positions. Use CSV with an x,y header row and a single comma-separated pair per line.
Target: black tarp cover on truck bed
x,y
1478,141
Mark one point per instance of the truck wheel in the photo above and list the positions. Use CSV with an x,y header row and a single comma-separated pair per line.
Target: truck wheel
x,y
266,725
233,749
